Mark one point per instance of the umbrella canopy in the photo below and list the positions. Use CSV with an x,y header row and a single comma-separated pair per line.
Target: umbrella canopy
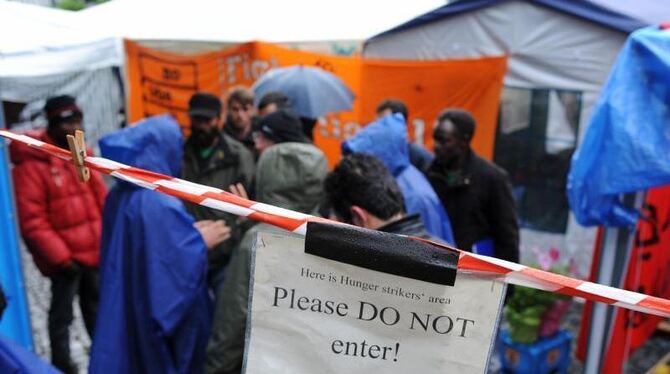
x,y
312,91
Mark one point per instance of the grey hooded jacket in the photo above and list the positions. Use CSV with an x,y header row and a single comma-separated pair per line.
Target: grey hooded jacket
x,y
290,176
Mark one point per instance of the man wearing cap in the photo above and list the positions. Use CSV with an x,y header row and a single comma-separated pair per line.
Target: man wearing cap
x,y
281,126
476,193
213,158
60,220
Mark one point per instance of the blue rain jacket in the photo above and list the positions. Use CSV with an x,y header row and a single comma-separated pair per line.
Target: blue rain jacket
x,y
625,148
15,359
386,139
155,312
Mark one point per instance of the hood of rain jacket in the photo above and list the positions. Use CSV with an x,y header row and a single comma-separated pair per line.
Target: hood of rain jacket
x,y
386,139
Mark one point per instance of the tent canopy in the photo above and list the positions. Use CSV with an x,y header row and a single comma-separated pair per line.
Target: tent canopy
x,y
274,21
43,41
621,15
49,41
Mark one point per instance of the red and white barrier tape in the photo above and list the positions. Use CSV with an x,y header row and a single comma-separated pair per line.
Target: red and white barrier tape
x,y
296,222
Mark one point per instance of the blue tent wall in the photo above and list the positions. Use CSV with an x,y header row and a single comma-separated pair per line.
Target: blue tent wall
x,y
15,323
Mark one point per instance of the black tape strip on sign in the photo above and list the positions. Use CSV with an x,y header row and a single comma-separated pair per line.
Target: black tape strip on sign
x,y
381,251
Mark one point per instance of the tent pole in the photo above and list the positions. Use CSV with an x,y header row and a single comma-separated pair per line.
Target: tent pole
x,y
615,252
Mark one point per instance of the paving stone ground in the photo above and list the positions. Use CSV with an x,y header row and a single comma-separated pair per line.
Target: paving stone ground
x,y
39,298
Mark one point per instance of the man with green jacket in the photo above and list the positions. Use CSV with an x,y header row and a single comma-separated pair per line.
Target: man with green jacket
x,y
215,159
289,175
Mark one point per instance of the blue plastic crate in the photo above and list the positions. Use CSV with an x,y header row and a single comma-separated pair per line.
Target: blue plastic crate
x,y
548,355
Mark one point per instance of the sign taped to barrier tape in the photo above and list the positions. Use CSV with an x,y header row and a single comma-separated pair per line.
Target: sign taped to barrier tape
x,y
309,314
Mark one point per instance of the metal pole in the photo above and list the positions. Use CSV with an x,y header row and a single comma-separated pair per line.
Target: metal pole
x,y
615,251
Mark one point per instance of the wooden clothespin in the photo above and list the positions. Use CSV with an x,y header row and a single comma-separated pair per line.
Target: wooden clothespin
x,y
77,146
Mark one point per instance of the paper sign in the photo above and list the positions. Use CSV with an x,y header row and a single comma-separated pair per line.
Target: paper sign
x,y
313,315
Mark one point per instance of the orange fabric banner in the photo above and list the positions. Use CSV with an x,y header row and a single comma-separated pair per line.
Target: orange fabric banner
x,y
163,82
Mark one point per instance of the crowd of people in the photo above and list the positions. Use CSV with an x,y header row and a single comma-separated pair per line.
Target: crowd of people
x,y
163,285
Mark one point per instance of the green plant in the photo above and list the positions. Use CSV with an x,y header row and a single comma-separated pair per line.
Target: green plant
x,y
524,312
532,312
73,5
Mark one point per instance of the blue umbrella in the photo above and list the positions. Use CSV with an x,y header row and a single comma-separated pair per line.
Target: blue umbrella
x,y
312,91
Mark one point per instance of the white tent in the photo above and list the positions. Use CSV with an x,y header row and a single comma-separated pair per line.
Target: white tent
x,y
203,25
243,21
559,55
39,41
44,53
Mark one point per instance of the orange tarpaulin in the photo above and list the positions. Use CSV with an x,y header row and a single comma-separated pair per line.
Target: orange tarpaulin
x,y
163,82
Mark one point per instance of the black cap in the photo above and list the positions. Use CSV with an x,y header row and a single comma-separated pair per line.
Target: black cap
x,y
282,126
61,108
204,105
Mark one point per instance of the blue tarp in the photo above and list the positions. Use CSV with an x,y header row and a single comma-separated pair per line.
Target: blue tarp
x,y
15,323
621,15
626,147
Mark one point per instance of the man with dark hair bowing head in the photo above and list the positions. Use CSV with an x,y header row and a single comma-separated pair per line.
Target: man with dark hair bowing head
x,y
363,192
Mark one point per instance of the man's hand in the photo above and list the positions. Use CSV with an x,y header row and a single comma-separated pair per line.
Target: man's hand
x,y
213,232
239,190
200,224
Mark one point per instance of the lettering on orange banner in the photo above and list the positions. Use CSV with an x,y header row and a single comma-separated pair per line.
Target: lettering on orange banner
x,y
163,82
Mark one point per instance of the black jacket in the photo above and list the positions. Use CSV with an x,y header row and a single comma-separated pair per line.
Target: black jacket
x,y
480,205
229,163
410,225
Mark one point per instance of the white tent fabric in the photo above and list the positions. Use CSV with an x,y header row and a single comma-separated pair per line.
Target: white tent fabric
x,y
242,21
98,93
44,53
546,49
61,59
39,41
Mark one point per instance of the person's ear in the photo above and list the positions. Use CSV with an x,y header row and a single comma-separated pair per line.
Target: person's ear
x,y
359,216
465,144
221,121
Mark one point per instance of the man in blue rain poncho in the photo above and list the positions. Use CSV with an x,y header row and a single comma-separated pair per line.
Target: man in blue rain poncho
x,y
155,312
386,139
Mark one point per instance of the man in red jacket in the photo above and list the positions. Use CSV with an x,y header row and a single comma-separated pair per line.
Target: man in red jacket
x,y
60,219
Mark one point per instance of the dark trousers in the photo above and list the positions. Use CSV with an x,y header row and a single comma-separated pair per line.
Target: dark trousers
x,y
82,281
